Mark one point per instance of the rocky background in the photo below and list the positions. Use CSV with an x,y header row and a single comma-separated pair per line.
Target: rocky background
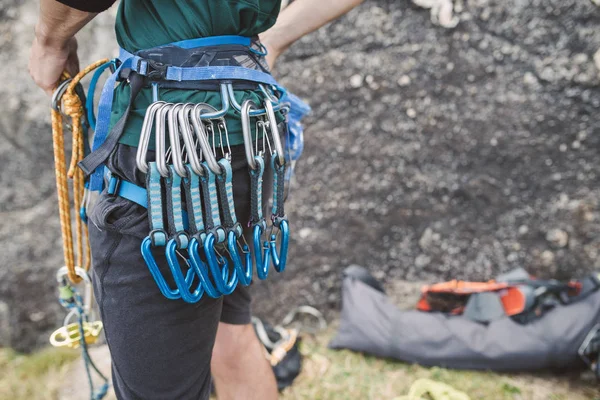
x,y
431,153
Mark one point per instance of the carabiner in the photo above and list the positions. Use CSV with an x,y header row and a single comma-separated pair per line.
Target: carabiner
x,y
262,252
174,138
179,239
183,284
243,268
217,265
144,142
172,294
279,258
161,140
188,139
230,224
202,269
274,132
197,229
215,234
200,131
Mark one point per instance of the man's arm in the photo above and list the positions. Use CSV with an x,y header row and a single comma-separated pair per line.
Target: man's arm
x,y
300,18
54,47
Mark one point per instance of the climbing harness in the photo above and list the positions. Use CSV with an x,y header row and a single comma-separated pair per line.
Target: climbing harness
x,y
189,188
83,332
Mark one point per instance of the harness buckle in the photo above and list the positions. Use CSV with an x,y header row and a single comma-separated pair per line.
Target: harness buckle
x,y
155,70
114,182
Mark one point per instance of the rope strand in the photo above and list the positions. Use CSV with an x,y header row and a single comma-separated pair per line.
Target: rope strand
x,y
74,109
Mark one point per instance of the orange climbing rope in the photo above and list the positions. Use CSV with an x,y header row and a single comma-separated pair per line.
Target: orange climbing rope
x,y
73,108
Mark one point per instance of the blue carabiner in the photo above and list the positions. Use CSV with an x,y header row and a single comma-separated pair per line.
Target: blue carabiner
x,y
279,258
173,294
244,269
261,251
202,269
278,218
217,264
183,284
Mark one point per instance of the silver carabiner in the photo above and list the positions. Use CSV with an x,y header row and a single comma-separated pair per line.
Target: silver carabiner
x,y
190,144
161,138
247,106
274,132
58,94
146,132
202,137
174,133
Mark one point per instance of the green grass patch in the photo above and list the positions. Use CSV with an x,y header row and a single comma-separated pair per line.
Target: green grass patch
x,y
334,375
326,375
34,376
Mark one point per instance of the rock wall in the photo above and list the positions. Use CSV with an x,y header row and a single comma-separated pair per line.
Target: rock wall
x,y
430,153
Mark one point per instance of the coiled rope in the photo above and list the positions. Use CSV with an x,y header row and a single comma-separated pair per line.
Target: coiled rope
x,y
73,108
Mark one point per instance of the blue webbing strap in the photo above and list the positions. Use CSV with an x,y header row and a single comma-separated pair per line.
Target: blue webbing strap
x,y
225,191
213,41
175,208
157,235
103,145
197,231
89,105
220,73
211,202
277,211
191,185
155,211
127,190
179,240
256,188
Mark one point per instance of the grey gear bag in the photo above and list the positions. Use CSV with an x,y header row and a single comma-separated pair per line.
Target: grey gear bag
x,y
371,324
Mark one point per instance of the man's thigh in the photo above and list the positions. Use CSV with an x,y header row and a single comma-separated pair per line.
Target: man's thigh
x,y
160,348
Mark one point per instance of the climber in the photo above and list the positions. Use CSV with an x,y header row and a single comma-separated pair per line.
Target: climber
x,y
162,349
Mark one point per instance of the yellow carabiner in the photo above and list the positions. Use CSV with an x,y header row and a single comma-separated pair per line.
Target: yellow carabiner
x,y
69,335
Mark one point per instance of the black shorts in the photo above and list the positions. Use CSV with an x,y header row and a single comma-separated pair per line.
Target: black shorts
x,y
160,348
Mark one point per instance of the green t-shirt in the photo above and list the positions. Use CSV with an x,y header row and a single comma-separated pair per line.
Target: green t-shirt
x,y
143,24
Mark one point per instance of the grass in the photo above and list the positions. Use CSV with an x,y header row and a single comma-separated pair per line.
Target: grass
x,y
336,375
326,375
37,376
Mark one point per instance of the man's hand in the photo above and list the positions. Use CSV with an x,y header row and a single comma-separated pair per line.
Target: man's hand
x,y
47,62
54,47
